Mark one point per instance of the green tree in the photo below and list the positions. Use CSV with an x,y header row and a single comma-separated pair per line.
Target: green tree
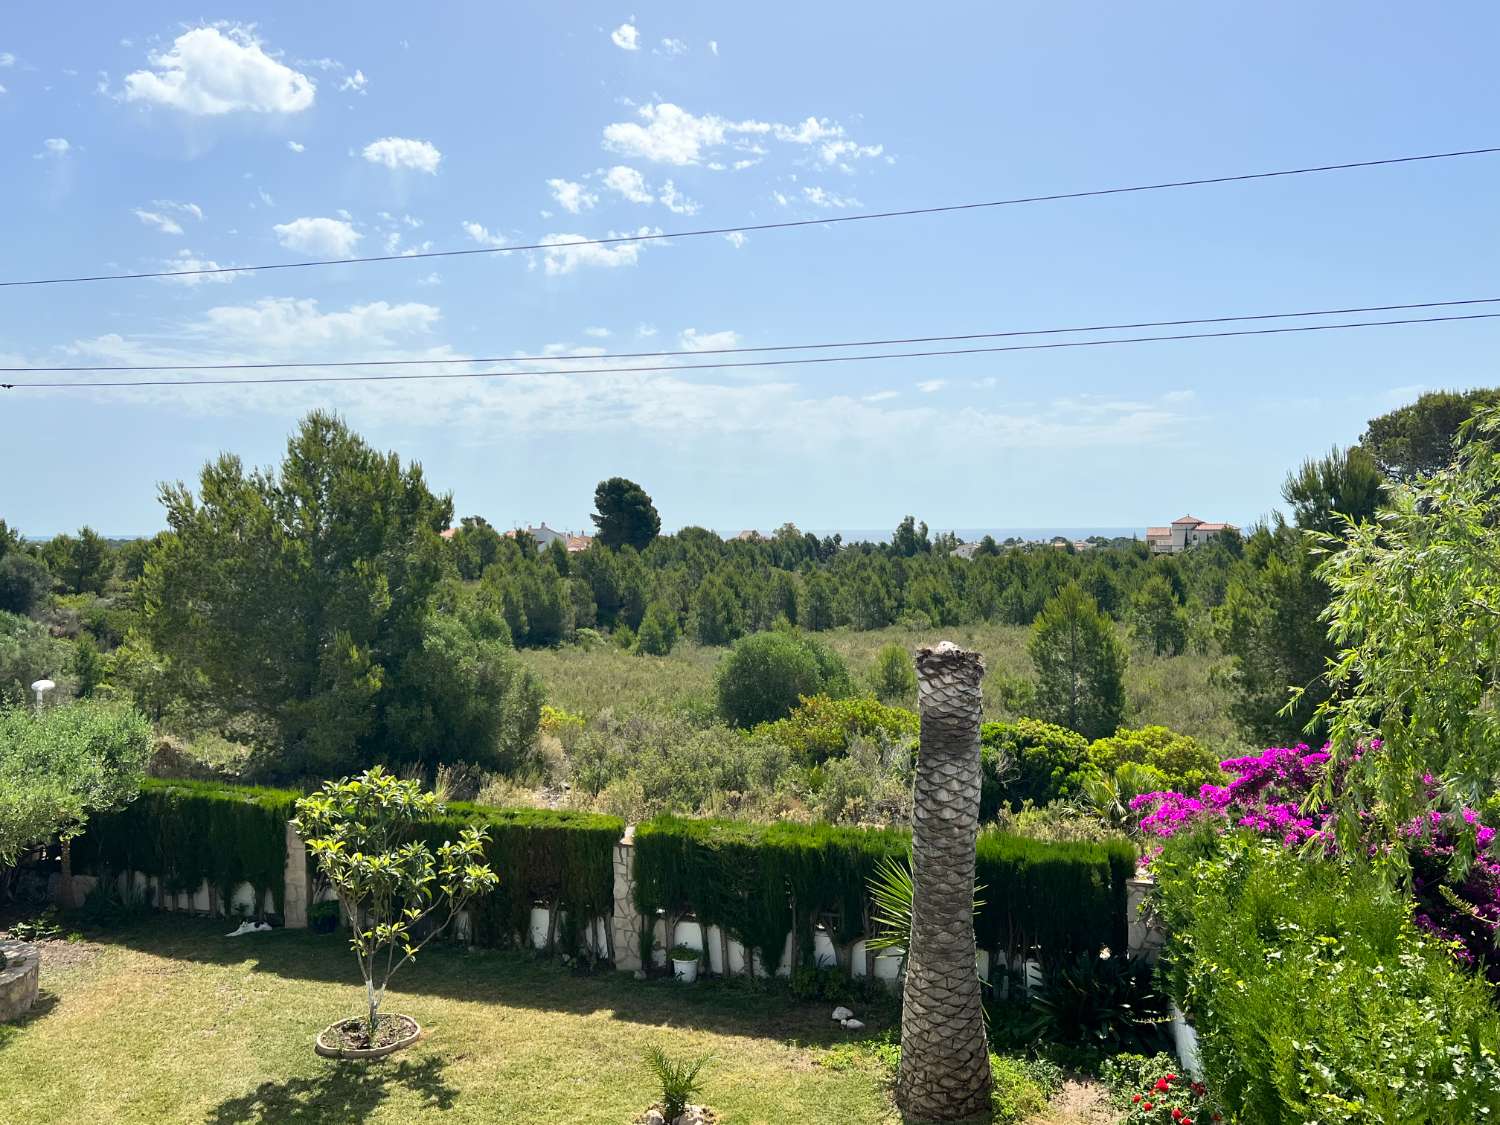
x,y
59,767
300,597
1157,619
716,615
28,652
25,583
88,665
397,894
624,514
1414,617
1326,492
1079,663
910,538
818,593
658,632
761,679
82,565
1419,438
894,676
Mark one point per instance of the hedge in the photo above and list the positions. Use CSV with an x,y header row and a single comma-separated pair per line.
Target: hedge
x,y
757,882
189,832
562,859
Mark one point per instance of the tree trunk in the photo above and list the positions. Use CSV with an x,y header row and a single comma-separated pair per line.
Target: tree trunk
x,y
945,1067
65,893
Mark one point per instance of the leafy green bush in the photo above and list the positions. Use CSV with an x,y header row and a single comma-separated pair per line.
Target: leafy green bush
x,y
1108,1004
1185,762
765,675
1028,760
1316,995
658,631
1023,1087
819,727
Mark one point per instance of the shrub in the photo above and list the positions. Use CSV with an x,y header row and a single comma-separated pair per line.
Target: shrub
x,y
658,631
1023,1087
1150,1090
1185,762
819,727
1316,995
1028,760
1101,1003
678,1078
765,675
893,678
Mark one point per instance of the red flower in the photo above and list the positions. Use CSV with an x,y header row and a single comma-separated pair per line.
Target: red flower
x,y
1171,1077
1163,1084
1135,1097
1176,1114
1146,1106
1187,1121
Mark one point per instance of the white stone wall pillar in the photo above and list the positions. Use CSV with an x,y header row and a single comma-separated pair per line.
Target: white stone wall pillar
x,y
295,902
1145,935
625,922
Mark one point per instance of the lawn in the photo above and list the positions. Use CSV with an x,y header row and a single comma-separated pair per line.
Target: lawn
x,y
167,1021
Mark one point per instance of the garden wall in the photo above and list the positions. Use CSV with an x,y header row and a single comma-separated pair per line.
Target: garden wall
x,y
751,898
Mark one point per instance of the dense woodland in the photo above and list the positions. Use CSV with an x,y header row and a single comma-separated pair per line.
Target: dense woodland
x,y
307,620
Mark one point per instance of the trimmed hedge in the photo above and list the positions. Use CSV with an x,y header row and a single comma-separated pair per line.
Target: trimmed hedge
x,y
758,882
189,832
561,859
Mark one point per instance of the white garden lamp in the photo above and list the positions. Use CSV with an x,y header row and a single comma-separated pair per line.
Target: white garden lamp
x,y
41,687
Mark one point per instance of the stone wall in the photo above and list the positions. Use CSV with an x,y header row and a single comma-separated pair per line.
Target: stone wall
x,y
20,966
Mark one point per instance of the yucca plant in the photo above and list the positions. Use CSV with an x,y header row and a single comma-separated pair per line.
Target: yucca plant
x,y
678,1079
891,895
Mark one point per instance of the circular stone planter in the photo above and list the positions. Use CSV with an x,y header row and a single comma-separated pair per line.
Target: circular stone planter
x,y
20,970
685,971
328,1042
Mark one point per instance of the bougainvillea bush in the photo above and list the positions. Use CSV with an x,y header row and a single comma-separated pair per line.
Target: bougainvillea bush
x,y
1455,878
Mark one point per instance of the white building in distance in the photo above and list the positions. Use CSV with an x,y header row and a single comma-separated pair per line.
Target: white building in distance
x,y
1186,532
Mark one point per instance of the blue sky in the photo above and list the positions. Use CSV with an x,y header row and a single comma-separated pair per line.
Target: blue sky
x,y
152,136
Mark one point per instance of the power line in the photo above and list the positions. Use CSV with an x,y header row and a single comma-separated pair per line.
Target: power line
x,y
798,361
890,342
755,227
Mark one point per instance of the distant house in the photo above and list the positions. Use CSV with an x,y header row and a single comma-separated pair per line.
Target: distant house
x,y
578,543
750,536
1185,532
543,535
448,532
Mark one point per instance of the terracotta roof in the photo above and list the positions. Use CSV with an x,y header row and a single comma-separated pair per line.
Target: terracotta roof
x,y
580,542
1194,520
448,532
1158,532
1217,527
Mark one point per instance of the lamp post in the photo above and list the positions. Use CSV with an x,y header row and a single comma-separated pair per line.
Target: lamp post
x,y
41,687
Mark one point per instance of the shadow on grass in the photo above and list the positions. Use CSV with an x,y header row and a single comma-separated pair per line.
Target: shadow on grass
x,y
516,979
346,1091
45,1001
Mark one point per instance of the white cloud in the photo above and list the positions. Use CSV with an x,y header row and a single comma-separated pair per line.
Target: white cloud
x,y
713,45
169,206
646,331
928,386
564,254
54,146
163,223
3,90
572,197
809,131
819,197
691,340
430,280
211,70
597,333
7,59
296,146
324,238
626,37
672,135
736,238
186,261
354,82
629,183
675,201
404,152
835,152
1177,398
674,46
282,323
882,396
482,235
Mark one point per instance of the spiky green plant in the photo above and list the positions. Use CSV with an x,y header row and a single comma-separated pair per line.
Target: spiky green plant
x,y
679,1079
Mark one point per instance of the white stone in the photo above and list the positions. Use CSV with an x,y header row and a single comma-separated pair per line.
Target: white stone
x,y
842,1014
854,1025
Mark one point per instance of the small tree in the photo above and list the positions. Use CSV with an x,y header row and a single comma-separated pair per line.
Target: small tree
x,y
58,767
1156,618
390,886
658,632
765,675
1080,665
894,676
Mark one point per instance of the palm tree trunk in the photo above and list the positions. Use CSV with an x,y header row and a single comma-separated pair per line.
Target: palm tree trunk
x,y
945,1067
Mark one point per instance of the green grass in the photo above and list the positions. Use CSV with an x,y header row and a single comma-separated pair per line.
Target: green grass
x,y
1176,692
170,1022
